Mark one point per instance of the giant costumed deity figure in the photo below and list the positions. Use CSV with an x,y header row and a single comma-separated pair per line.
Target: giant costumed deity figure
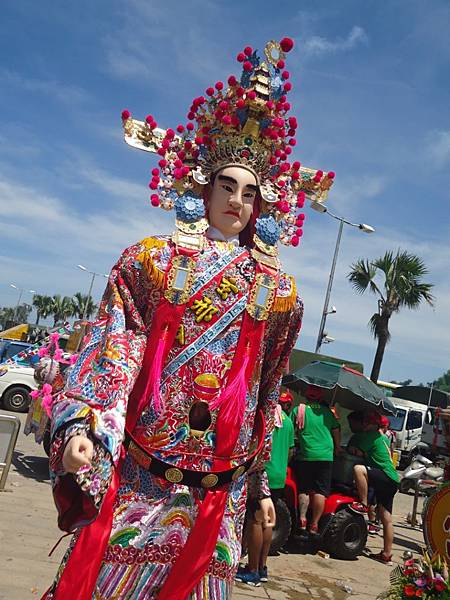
x,y
172,398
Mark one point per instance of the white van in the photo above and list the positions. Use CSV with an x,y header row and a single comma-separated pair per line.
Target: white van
x,y
407,425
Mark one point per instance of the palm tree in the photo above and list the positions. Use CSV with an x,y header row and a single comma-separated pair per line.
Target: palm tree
x,y
43,306
7,317
62,309
402,287
23,312
83,306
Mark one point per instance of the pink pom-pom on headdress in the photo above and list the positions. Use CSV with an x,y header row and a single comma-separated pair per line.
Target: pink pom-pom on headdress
x,y
58,354
47,389
47,404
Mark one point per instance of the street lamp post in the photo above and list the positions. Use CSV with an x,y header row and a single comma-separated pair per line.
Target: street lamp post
x,y
94,275
21,291
363,227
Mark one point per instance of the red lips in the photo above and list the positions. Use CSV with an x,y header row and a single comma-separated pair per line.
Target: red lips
x,y
232,212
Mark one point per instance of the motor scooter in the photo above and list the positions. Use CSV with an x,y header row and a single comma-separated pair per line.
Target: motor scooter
x,y
421,468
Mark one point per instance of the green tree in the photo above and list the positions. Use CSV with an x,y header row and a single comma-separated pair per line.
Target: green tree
x,y
442,383
402,288
43,305
22,312
7,316
62,309
403,383
82,302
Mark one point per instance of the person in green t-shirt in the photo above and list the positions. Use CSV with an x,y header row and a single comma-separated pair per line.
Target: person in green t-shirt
x,y
258,536
379,474
318,439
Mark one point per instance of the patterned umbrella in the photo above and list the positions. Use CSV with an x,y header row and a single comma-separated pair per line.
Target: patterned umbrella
x,y
341,385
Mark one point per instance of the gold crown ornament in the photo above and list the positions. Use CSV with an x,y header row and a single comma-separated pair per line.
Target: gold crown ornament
x,y
246,124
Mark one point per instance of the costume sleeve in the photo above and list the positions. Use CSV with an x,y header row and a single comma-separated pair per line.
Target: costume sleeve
x,y
283,329
94,401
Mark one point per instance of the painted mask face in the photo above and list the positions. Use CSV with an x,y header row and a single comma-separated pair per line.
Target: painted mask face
x,y
231,203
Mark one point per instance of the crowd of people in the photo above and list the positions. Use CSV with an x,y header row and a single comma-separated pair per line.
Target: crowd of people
x,y
308,437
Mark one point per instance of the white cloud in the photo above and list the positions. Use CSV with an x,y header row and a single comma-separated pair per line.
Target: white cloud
x,y
46,223
152,34
320,45
63,92
415,334
438,147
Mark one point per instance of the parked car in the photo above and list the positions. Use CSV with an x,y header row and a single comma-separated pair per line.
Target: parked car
x,y
10,348
16,383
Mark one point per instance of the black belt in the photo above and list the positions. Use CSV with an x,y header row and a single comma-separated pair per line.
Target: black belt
x,y
202,479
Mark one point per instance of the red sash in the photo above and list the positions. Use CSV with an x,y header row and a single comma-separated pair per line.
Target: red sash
x,y
196,554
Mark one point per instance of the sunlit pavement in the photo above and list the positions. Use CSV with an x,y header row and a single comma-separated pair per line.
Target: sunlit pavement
x,y
28,531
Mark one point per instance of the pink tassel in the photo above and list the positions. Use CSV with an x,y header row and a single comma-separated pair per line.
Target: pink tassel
x,y
47,403
232,400
154,376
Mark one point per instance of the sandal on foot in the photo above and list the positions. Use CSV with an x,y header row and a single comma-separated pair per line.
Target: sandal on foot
x,y
302,523
382,558
359,507
313,531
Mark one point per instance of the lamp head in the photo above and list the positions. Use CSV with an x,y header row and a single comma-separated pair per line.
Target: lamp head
x,y
318,207
366,228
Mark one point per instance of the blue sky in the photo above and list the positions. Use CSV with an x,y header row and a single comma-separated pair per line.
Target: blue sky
x,y
371,90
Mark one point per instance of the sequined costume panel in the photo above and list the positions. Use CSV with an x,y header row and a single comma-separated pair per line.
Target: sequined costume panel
x,y
152,517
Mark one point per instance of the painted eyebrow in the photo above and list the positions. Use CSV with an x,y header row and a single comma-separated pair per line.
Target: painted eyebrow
x,y
251,187
226,178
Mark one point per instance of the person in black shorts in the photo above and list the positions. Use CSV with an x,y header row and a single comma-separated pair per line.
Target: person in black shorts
x,y
379,474
317,433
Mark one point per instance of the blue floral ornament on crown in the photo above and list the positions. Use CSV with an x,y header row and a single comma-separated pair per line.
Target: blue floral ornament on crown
x,y
267,229
189,208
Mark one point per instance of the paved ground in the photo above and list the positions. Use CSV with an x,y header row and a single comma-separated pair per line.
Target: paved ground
x,y
28,531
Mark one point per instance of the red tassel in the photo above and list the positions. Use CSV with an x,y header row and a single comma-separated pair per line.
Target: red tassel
x,y
233,398
153,385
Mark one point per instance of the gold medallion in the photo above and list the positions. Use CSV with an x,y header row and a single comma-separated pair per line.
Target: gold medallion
x,y
239,471
173,475
209,481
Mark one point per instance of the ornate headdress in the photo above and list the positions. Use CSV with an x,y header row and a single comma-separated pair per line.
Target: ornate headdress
x,y
245,124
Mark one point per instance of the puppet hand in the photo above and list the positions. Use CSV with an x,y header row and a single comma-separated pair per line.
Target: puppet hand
x,y
78,453
268,512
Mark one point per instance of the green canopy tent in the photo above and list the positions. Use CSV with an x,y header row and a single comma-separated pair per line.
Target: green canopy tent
x,y
341,385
